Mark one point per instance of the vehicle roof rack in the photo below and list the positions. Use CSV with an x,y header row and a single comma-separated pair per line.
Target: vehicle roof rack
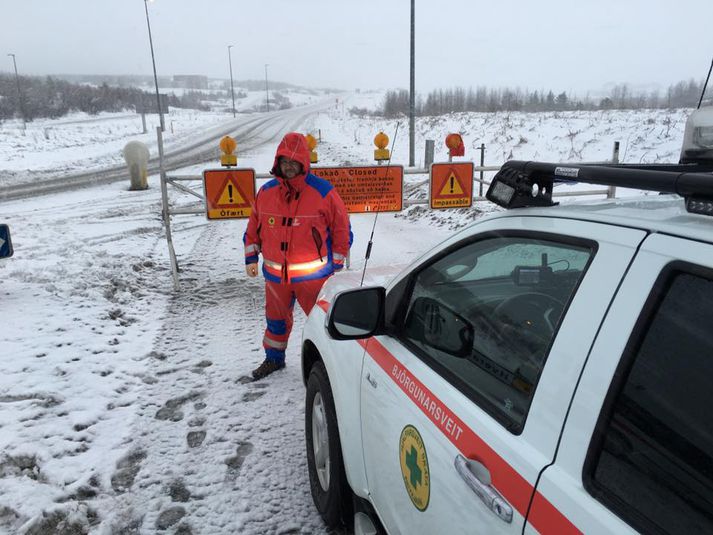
x,y
520,184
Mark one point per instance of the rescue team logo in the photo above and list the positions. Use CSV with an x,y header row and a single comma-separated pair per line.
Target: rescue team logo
x,y
271,221
414,467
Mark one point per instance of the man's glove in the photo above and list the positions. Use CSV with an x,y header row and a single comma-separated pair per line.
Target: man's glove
x,y
251,269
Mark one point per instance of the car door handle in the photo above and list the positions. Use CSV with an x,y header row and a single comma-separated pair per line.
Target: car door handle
x,y
477,477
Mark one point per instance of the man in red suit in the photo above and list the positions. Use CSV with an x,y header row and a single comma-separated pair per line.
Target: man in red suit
x,y
301,227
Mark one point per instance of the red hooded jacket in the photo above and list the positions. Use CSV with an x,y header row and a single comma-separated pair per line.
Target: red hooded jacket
x,y
300,225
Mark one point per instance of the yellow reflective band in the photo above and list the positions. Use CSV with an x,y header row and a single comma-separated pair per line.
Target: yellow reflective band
x,y
307,265
274,343
272,265
315,264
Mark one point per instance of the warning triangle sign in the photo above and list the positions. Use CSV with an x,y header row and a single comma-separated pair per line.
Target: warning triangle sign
x,y
452,186
231,195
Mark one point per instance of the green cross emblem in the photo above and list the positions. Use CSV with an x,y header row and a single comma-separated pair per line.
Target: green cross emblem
x,y
412,465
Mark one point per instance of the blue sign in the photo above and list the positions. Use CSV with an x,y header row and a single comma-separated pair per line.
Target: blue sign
x,y
5,243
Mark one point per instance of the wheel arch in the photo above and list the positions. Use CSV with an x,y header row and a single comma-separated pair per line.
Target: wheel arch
x,y
346,403
310,355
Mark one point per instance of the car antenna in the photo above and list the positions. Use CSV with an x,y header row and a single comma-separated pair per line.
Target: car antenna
x,y
705,85
376,216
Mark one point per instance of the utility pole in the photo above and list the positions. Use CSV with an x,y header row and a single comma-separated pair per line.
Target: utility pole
x,y
412,100
267,94
153,61
19,95
232,90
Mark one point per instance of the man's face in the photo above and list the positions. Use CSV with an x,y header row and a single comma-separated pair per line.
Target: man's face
x,y
289,168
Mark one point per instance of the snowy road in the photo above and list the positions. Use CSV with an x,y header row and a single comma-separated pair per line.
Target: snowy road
x,y
121,405
254,132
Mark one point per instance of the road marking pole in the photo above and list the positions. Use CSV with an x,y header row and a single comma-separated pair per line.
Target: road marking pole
x,y
165,213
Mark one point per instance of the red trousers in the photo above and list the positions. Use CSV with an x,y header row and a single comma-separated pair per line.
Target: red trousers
x,y
279,303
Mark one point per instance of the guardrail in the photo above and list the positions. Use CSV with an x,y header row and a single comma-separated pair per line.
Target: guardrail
x,y
177,181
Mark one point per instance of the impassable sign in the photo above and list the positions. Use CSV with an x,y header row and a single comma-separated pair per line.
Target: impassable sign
x,y
377,188
5,242
451,185
229,193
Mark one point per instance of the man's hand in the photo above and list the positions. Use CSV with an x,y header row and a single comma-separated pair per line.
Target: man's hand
x,y
251,269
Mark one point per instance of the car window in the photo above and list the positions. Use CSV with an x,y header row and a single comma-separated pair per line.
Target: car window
x,y
654,466
484,316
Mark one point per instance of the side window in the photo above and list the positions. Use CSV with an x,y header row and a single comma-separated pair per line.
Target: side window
x,y
653,465
484,317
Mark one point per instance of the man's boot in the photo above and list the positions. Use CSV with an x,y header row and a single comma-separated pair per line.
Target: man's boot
x,y
266,368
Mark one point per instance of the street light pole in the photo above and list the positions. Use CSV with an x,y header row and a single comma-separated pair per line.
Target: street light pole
x,y
19,94
267,94
153,61
412,99
232,90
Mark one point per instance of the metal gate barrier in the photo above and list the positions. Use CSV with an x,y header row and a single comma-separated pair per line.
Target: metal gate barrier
x,y
179,182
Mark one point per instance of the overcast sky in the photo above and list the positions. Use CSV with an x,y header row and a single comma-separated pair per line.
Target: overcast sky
x,y
564,45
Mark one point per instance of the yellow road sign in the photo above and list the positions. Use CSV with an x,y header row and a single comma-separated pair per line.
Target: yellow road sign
x,y
451,185
229,193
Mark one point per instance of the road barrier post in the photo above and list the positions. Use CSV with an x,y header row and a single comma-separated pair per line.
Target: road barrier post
x,y
430,150
165,212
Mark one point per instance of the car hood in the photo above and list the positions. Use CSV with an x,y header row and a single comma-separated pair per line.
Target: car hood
x,y
350,279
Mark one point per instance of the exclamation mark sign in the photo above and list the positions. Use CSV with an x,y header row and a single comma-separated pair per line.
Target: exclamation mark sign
x,y
230,192
452,179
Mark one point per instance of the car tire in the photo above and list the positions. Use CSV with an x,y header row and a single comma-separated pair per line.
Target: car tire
x,y
328,482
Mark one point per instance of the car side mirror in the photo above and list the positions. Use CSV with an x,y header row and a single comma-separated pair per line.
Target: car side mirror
x,y
356,314
5,242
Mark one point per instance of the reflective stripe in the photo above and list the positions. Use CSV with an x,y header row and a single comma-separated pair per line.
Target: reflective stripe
x,y
269,342
338,257
272,265
253,248
513,486
315,264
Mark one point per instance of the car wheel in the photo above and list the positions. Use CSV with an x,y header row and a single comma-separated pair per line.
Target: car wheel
x,y
328,482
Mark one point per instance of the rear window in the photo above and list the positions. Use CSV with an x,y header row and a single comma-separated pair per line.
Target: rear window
x,y
654,464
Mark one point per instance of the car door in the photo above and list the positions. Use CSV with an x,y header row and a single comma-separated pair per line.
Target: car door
x,y
463,405
637,449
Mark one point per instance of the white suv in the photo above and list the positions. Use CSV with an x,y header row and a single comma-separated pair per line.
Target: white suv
x,y
547,369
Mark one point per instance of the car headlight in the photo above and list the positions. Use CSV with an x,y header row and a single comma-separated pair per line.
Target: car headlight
x,y
698,137
703,136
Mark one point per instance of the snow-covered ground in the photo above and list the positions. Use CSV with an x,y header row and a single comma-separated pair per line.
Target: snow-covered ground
x,y
122,408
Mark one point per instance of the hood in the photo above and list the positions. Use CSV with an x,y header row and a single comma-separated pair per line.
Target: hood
x,y
351,279
293,146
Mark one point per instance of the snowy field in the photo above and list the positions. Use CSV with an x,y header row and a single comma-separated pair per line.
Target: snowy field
x,y
122,409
